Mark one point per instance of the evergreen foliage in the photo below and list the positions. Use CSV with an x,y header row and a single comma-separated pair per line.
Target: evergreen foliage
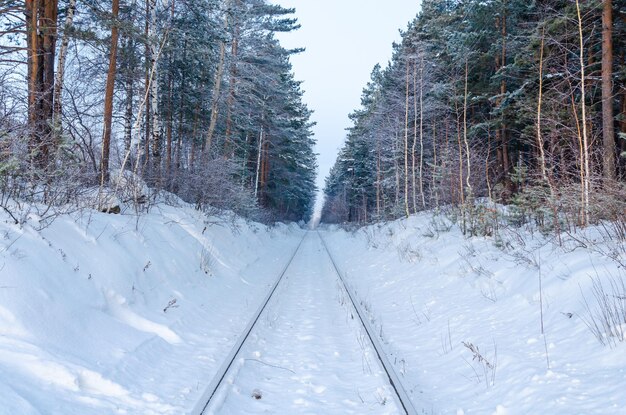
x,y
205,104
454,115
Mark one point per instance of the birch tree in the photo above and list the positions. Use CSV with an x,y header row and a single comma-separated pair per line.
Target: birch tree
x,y
58,83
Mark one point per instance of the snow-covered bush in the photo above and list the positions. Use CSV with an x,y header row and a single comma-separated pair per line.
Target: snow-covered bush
x,y
606,315
484,368
213,187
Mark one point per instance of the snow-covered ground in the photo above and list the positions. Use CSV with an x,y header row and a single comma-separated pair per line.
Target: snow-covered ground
x,y
462,316
124,314
308,354
119,314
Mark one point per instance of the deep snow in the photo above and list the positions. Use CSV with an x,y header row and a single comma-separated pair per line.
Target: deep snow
x,y
438,298
85,326
114,314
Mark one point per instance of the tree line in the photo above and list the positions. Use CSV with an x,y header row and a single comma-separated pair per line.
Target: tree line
x,y
513,101
196,97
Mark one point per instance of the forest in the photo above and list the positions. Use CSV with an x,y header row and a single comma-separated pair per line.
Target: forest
x,y
193,97
158,164
516,102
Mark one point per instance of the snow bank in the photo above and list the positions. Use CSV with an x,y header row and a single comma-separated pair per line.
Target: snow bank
x,y
462,317
126,314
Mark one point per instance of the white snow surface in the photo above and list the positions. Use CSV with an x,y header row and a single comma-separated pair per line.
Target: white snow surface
x,y
82,323
309,354
430,290
124,314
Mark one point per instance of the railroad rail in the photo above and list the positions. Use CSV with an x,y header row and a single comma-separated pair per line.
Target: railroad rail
x,y
210,391
402,397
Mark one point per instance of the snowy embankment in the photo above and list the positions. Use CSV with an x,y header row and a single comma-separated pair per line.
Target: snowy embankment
x,y
126,314
462,316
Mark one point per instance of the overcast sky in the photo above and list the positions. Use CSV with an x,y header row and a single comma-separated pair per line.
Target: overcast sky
x,y
344,39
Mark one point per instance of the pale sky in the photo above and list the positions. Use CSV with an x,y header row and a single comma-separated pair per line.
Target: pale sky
x,y
344,39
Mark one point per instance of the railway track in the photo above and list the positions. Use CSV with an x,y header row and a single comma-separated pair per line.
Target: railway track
x,y
401,398
210,391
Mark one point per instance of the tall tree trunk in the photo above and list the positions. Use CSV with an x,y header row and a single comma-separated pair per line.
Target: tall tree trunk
x,y
414,146
48,27
504,134
465,140
232,80
622,129
265,171
461,189
244,161
364,208
540,145
584,118
406,145
608,128
502,142
147,87
129,87
169,129
58,83
396,164
581,151
421,175
219,74
170,115
460,149
258,165
215,99
487,159
434,186
192,155
41,34
32,38
378,178
154,91
181,112
108,95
